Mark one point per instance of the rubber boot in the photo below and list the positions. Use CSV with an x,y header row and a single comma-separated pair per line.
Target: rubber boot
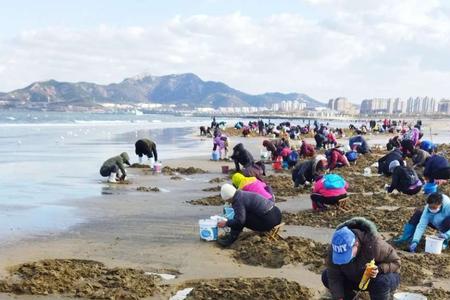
x,y
408,232
228,239
112,177
445,245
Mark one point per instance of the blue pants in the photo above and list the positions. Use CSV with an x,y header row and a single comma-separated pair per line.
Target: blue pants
x,y
380,288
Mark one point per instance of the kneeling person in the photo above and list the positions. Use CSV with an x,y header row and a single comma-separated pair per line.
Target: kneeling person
x,y
251,210
404,179
328,189
113,166
354,244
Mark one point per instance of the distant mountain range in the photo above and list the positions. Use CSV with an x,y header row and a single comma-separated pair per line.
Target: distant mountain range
x,y
176,89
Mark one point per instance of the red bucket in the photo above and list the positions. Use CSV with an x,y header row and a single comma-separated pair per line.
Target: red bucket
x,y
225,169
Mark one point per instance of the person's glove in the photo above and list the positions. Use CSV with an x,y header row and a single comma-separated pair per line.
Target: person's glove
x,y
413,247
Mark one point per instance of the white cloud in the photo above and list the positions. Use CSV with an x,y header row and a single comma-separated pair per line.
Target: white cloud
x,y
357,49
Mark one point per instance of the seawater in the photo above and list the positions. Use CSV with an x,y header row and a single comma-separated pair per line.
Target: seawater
x,y
47,158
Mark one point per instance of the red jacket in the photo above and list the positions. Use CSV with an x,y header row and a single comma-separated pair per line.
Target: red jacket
x,y
337,157
307,150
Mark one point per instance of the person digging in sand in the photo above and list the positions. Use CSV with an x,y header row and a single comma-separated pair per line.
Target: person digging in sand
x,y
251,210
336,158
404,179
146,147
359,144
252,184
435,214
304,172
113,166
354,244
436,167
328,189
383,162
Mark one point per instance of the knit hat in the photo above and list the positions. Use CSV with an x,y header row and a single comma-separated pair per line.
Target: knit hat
x,y
394,164
227,191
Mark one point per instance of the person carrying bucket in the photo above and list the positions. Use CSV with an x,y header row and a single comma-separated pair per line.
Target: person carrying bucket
x,y
404,179
220,144
328,189
354,244
435,214
146,147
114,167
251,210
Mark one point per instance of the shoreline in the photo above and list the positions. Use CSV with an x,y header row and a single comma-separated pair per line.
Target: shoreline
x,y
158,231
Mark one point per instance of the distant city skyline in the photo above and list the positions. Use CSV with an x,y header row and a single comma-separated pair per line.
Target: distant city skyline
x,y
323,48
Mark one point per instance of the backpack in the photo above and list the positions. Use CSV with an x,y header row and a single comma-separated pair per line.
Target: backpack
x,y
333,181
351,155
410,176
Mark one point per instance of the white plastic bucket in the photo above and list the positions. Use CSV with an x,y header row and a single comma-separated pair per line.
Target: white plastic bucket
x,y
367,172
264,154
409,296
433,244
157,167
208,229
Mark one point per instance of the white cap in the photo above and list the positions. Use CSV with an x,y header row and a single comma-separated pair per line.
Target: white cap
x,y
227,191
320,157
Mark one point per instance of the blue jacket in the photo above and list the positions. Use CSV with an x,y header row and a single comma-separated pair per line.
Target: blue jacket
x,y
364,148
435,162
435,219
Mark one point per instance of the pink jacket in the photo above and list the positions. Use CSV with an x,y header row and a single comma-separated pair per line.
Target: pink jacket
x,y
258,187
319,188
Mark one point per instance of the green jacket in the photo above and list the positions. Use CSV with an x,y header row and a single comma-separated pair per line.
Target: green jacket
x,y
118,160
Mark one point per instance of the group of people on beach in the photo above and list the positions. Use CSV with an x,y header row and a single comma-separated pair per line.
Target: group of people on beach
x,y
413,165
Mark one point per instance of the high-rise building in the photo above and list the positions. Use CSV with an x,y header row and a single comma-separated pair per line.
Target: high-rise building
x,y
421,105
341,104
444,106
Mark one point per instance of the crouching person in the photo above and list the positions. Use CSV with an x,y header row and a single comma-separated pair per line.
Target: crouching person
x,y
114,167
327,190
435,214
354,244
251,210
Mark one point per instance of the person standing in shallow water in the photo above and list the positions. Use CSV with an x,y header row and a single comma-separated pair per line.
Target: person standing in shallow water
x,y
146,147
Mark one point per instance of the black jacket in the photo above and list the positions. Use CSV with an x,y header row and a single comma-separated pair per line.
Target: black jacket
x,y
403,178
248,203
303,171
383,163
146,147
241,156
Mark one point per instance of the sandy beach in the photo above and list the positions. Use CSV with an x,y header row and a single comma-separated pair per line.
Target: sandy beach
x,y
158,231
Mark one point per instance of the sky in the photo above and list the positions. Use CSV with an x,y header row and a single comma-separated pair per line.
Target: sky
x,y
323,48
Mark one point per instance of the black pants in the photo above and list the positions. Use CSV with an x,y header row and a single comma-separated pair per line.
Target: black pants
x,y
105,171
321,200
411,191
444,227
259,223
443,173
379,287
407,147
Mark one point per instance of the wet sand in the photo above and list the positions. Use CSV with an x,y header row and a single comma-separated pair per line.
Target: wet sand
x,y
156,231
